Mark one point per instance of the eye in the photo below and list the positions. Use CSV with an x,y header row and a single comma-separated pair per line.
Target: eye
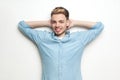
x,y
53,22
61,21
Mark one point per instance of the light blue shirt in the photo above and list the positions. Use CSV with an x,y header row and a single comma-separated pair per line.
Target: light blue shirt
x,y
61,58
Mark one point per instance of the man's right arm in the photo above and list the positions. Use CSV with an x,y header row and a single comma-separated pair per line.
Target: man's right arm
x,y
37,24
26,27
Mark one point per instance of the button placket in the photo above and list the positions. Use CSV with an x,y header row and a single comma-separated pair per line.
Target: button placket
x,y
59,61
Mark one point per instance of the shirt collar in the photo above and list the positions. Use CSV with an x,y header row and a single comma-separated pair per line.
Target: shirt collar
x,y
64,39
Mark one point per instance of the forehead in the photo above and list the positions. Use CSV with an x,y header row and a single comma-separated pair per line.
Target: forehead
x,y
58,17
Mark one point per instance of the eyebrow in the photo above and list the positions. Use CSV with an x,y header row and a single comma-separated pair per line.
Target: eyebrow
x,y
59,20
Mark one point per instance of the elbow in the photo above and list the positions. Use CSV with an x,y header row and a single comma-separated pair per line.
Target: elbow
x,y
101,26
20,25
98,25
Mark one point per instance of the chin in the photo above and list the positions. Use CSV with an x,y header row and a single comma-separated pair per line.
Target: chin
x,y
58,34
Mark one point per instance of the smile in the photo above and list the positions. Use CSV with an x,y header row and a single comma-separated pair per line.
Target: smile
x,y
57,29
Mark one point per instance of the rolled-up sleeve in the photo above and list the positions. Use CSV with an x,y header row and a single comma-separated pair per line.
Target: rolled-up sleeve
x,y
32,34
92,33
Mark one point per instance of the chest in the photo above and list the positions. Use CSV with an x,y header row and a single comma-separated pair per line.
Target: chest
x,y
63,49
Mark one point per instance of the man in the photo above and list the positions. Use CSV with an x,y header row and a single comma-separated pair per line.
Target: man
x,y
61,50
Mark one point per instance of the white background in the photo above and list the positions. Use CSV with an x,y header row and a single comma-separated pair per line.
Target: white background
x,y
19,57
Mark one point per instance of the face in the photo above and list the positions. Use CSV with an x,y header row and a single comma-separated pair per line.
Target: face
x,y
59,24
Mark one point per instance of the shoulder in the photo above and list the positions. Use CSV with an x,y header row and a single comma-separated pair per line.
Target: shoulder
x,y
43,32
76,35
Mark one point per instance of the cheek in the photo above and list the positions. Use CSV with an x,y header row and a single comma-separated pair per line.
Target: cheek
x,y
52,26
65,27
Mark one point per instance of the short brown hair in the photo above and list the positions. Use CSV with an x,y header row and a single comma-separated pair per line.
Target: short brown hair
x,y
60,10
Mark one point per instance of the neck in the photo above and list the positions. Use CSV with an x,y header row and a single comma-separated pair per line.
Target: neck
x,y
61,35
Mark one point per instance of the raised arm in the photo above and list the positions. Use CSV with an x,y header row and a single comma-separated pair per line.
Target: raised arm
x,y
26,27
36,24
85,24
94,29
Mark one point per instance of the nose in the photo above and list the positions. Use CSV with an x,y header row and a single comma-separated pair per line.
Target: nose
x,y
57,24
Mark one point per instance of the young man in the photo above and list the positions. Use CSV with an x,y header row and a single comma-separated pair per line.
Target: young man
x,y
61,50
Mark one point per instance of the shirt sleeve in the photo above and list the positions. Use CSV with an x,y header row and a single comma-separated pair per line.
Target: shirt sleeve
x,y
91,34
32,34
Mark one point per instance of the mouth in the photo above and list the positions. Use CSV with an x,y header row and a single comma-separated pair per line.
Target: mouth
x,y
57,30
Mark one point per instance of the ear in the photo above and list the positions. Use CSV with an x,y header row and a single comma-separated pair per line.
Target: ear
x,y
68,24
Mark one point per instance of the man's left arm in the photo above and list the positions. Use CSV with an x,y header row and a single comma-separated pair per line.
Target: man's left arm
x,y
94,29
85,24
